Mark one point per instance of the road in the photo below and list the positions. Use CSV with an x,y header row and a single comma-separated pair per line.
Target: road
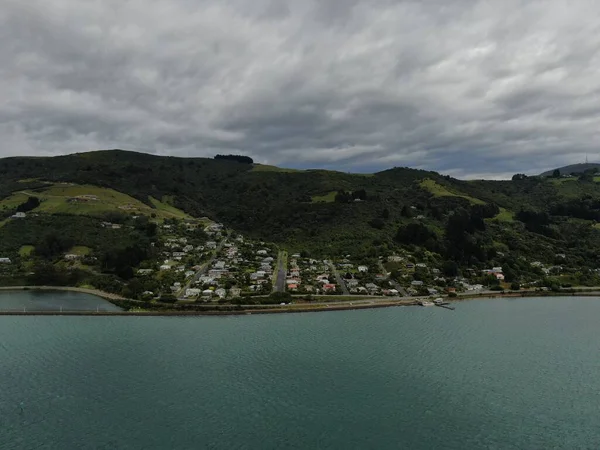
x,y
397,286
203,268
340,281
279,285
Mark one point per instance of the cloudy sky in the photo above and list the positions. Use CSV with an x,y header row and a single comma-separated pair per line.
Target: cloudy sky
x,y
469,88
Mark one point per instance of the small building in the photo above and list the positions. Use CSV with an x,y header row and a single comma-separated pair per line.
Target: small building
x,y
144,271
19,215
207,293
165,267
329,287
362,269
71,257
5,261
221,293
192,292
417,283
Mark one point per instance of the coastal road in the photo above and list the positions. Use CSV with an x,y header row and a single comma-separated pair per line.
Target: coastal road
x,y
339,279
279,285
396,285
203,268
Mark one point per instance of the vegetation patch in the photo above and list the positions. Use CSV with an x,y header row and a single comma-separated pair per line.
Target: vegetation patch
x,y
327,198
267,168
441,191
26,250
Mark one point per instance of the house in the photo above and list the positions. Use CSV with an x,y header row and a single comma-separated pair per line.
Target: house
x,y
435,271
393,292
207,293
416,283
235,292
394,258
410,266
432,291
295,273
363,268
5,261
261,252
290,281
192,292
268,259
499,276
221,293
217,273
144,271
165,267
292,287
178,254
71,257
189,273
422,265
219,265
19,215
352,283
372,287
188,248
211,245
329,287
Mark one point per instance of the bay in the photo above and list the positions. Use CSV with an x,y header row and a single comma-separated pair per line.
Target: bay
x,y
498,374
37,301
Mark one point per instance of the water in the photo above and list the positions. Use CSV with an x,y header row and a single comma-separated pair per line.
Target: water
x,y
52,301
497,374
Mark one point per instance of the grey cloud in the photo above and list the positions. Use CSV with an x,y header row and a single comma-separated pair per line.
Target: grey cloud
x,y
469,88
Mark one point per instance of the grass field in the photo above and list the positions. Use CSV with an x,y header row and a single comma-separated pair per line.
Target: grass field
x,y
165,207
68,198
440,191
327,198
26,250
504,216
80,250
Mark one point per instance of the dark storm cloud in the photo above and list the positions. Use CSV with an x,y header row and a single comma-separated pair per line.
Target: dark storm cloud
x,y
470,88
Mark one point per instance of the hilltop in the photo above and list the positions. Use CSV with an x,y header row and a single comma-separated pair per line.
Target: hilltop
x,y
573,168
454,225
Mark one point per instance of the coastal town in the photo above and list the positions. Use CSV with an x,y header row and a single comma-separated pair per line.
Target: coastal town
x,y
201,261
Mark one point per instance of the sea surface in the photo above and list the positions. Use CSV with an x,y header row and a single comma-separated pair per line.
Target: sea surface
x,y
36,301
493,374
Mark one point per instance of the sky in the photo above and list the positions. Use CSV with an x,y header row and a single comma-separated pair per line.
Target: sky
x,y
473,89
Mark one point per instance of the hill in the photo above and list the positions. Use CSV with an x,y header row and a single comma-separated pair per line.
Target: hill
x,y
573,168
471,224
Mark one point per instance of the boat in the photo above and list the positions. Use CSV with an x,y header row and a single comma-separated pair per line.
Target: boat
x,y
439,302
426,303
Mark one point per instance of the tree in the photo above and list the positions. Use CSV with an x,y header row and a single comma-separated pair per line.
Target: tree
x,y
450,269
385,214
556,173
515,286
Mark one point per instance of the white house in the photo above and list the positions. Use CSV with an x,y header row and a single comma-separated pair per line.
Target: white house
x,y
207,293
192,292
5,261
71,257
19,215
144,271
395,258
211,245
362,268
261,252
165,267
221,293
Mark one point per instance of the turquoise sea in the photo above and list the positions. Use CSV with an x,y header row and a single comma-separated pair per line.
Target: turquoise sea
x,y
494,374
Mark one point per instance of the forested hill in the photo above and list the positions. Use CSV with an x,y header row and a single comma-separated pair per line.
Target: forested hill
x,y
470,222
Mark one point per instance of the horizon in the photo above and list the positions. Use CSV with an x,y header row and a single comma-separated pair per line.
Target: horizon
x,y
473,92
332,168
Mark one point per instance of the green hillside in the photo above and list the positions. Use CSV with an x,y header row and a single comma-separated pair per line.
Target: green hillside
x,y
325,212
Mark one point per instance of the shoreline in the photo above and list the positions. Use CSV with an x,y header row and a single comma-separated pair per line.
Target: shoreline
x,y
245,310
